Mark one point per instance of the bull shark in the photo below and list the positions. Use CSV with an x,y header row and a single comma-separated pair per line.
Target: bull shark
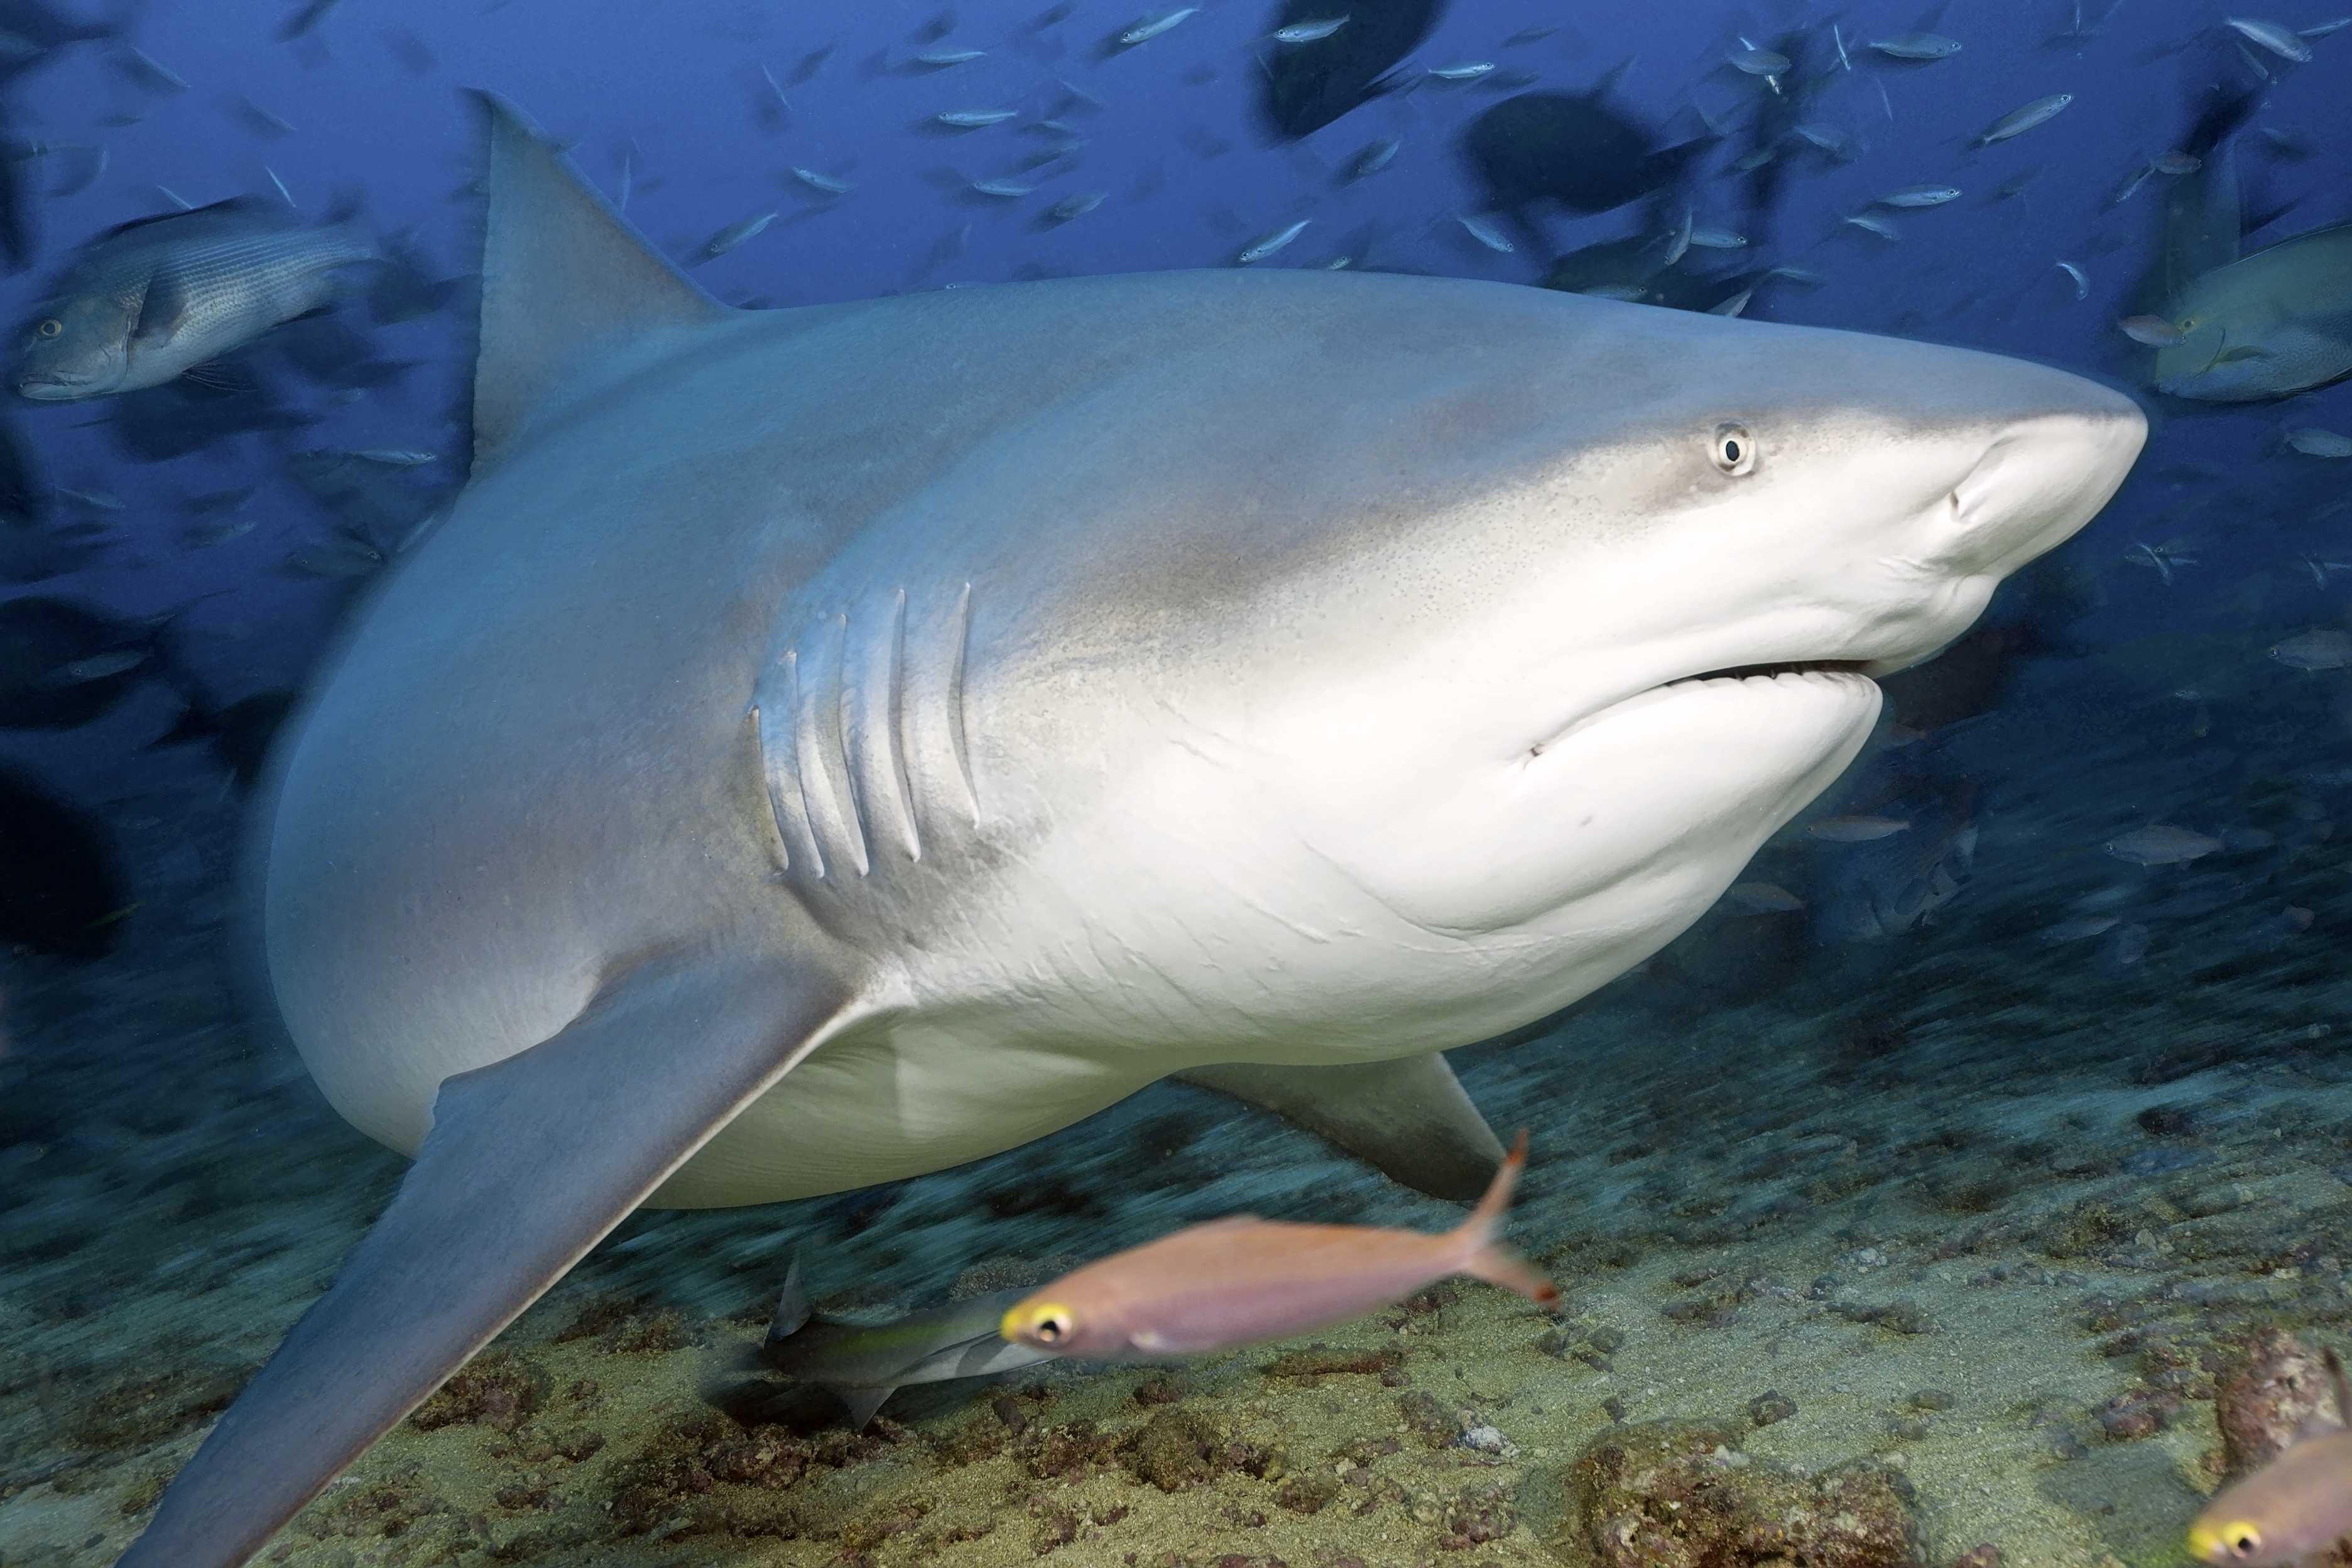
x,y
826,745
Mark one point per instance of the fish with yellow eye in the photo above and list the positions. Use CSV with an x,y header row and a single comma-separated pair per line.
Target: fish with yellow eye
x,y
1242,1281
2294,1508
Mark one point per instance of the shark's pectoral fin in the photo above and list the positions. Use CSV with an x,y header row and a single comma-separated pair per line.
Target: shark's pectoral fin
x,y
529,1162
1408,1118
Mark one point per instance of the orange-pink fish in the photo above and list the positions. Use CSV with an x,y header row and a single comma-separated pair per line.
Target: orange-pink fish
x,y
2294,1508
1243,1279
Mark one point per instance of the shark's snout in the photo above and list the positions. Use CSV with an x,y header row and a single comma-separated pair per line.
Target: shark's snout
x,y
2043,477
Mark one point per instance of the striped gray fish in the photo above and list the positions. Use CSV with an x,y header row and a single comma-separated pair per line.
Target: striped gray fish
x,y
149,301
863,1363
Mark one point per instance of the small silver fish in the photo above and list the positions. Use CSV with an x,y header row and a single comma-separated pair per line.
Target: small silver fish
x,y
941,59
1484,230
1678,241
826,183
1375,158
398,456
2017,121
2080,928
1002,190
1920,196
1873,224
2322,649
2280,41
1828,138
1244,1280
1917,46
1751,61
1076,207
2154,331
2160,844
1705,238
1466,70
101,666
972,118
1266,244
2163,557
733,234
1309,32
1764,898
1855,829
2314,443
2082,282
1143,32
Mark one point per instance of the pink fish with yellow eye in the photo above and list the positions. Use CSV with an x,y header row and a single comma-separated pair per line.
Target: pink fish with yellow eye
x,y
2292,1509
1242,1281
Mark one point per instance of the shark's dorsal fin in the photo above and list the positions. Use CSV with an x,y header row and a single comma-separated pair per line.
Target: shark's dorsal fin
x,y
562,276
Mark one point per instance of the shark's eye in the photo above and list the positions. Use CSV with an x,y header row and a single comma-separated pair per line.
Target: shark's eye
x,y
1051,1325
2244,1539
2187,324
1733,449
50,328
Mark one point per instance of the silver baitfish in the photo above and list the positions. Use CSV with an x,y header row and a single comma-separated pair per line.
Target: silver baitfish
x,y
146,302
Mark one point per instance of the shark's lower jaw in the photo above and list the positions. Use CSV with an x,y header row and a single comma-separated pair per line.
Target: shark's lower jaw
x,y
1841,678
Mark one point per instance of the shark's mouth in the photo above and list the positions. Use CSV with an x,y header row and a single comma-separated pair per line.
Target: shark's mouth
x,y
1779,674
1785,667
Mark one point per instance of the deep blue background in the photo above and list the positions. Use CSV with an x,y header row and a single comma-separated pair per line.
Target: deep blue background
x,y
1189,178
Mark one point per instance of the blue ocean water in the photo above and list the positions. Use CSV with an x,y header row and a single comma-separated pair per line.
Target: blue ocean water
x,y
1964,1051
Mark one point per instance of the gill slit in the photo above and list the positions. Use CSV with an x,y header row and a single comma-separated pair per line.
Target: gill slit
x,y
956,740
800,765
768,783
853,824
894,741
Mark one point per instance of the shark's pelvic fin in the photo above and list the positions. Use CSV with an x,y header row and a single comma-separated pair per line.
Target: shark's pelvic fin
x,y
562,276
1408,1118
529,1162
858,1405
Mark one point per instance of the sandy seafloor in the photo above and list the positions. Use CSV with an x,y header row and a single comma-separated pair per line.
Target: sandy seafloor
x,y
1987,1209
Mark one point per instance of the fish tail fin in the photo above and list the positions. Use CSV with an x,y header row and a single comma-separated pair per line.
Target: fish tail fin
x,y
1488,1216
1498,1264
1490,1259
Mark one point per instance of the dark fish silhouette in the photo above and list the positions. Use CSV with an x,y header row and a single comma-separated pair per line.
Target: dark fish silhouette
x,y
61,888
1572,150
239,734
1307,86
34,32
63,664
